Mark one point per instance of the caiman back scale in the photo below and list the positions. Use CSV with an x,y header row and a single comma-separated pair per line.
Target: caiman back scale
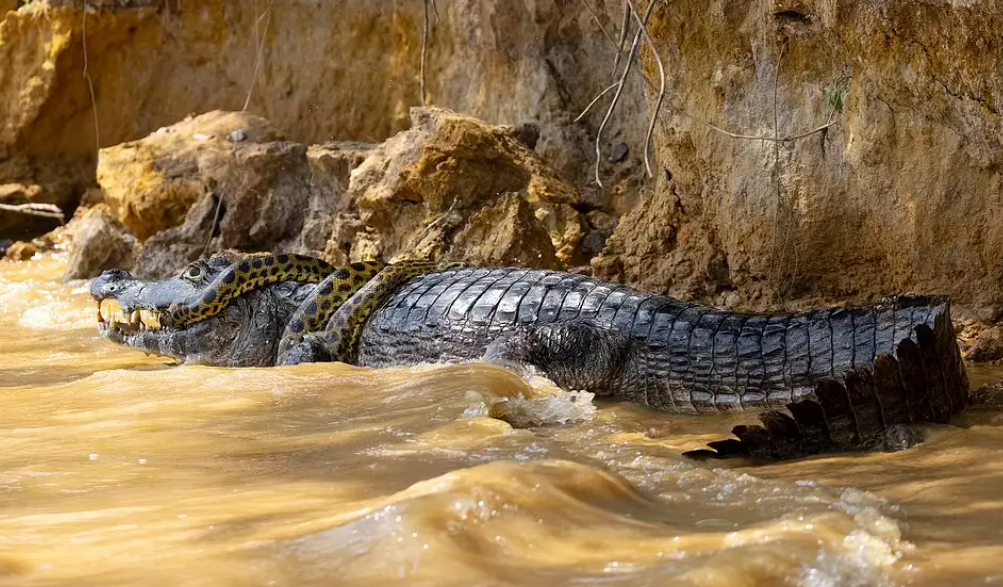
x,y
848,377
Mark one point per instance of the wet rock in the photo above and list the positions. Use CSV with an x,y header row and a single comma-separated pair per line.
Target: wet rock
x,y
100,242
593,244
429,189
602,225
21,251
150,184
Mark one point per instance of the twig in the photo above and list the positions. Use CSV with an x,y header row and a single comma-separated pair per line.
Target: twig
x,y
661,77
596,99
90,82
220,194
424,48
619,89
710,125
779,258
442,216
33,209
212,227
259,50
625,24
435,9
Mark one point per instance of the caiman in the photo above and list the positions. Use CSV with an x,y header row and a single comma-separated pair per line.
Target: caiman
x,y
825,380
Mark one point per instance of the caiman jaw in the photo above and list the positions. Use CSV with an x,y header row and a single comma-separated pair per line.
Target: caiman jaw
x,y
111,316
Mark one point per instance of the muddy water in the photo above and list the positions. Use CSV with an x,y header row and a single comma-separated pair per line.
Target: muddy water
x,y
120,469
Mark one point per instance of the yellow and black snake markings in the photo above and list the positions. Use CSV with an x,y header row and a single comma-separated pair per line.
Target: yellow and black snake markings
x,y
249,274
315,310
344,327
340,305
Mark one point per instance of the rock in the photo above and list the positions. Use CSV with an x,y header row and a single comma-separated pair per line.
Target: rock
x,y
506,233
275,196
18,225
593,244
260,199
619,153
847,224
426,190
331,221
527,133
335,161
601,221
99,242
981,342
21,251
150,184
501,62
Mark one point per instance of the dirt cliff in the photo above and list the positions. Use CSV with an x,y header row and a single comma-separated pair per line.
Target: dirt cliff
x,y
898,191
900,194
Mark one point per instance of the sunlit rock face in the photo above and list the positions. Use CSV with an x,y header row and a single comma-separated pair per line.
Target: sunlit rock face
x,y
897,193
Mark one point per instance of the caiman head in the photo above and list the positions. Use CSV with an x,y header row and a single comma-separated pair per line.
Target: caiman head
x,y
245,332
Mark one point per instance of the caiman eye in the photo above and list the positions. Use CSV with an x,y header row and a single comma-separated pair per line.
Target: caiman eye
x,y
194,272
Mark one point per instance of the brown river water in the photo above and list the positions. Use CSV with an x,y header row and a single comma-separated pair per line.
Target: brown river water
x,y
121,469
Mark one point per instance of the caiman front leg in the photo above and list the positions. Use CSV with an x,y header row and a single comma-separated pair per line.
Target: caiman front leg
x,y
574,355
341,337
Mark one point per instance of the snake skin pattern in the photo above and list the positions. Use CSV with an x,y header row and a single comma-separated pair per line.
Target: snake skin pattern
x,y
254,272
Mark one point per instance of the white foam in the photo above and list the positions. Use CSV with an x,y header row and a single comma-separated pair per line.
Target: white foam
x,y
549,404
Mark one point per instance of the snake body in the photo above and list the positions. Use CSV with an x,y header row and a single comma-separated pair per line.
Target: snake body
x,y
249,274
340,304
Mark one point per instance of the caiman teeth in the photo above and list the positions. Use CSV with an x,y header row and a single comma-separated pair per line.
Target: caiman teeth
x,y
111,312
149,319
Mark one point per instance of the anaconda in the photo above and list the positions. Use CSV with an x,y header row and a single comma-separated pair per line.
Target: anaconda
x,y
848,378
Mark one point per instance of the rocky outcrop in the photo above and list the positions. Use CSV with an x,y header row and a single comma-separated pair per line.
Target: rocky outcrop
x,y
450,187
99,242
321,71
455,187
275,196
901,193
150,184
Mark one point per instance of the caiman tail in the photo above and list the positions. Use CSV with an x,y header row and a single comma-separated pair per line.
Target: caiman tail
x,y
849,378
894,364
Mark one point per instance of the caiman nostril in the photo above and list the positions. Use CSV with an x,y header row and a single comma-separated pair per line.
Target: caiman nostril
x,y
110,283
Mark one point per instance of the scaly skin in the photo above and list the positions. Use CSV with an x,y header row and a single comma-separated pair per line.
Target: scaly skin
x,y
252,273
316,310
849,377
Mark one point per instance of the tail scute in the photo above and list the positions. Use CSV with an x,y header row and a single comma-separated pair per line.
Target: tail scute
x,y
866,408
